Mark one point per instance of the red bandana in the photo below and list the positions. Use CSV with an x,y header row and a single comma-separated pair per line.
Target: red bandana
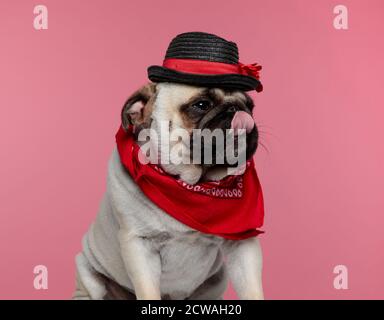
x,y
231,208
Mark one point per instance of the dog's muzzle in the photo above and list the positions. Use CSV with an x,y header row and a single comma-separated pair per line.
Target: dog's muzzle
x,y
229,116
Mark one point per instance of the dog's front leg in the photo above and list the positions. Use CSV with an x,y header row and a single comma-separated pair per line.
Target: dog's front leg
x,y
245,263
142,265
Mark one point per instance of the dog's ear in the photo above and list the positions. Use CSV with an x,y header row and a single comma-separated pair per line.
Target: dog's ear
x,y
138,108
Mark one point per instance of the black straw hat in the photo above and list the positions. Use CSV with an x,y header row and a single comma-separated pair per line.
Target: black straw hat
x,y
204,59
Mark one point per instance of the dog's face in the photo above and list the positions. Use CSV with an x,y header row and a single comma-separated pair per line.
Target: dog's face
x,y
186,111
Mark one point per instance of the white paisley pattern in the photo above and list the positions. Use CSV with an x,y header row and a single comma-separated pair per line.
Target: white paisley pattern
x,y
230,187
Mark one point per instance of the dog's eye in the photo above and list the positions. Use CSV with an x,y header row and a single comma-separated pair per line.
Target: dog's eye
x,y
202,105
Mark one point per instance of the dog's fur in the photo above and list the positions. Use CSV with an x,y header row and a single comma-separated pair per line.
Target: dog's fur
x,y
134,249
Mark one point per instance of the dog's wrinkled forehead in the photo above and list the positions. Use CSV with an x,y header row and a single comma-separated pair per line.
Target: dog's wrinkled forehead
x,y
173,95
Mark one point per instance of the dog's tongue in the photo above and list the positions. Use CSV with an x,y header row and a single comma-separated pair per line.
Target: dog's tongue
x,y
242,120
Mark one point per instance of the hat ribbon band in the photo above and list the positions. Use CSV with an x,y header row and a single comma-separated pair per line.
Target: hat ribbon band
x,y
212,68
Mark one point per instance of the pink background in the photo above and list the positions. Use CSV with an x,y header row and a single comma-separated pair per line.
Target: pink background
x,y
321,117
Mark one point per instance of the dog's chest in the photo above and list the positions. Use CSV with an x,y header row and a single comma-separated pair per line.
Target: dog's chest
x,y
187,260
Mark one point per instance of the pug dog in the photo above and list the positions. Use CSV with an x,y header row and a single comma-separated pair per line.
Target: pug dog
x,y
134,250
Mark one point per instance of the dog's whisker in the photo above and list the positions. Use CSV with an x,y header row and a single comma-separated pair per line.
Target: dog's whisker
x,y
264,147
266,132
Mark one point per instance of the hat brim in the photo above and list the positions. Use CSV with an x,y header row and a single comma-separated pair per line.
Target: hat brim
x,y
225,81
